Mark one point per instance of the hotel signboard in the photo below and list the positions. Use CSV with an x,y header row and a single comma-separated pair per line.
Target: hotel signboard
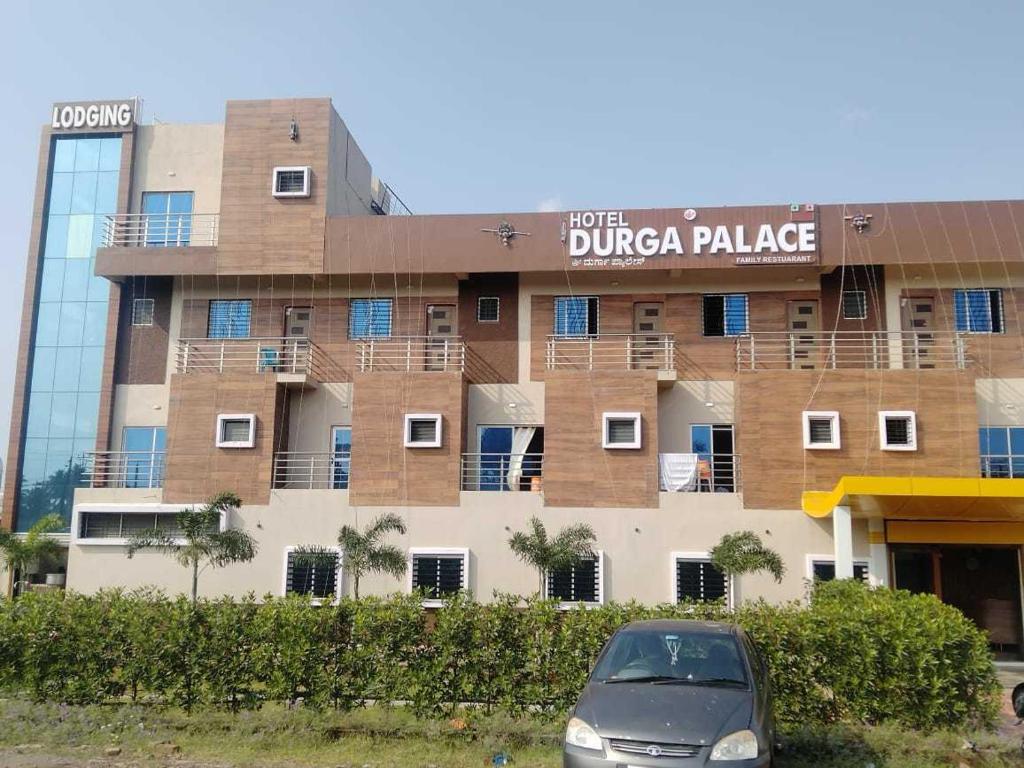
x,y
79,116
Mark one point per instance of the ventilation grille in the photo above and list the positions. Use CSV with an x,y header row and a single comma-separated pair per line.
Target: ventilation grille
x,y
311,574
820,430
699,581
898,431
621,431
423,430
580,583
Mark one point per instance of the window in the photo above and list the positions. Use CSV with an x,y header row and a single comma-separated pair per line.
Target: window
x,y
897,430
576,316
422,430
142,464
229,319
716,463
696,580
341,456
487,309
313,572
369,318
855,305
978,311
291,181
236,430
511,458
142,312
440,573
621,430
167,219
582,583
1002,451
725,314
112,524
821,430
823,568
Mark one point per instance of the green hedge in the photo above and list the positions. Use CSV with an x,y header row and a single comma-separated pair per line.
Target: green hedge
x,y
852,654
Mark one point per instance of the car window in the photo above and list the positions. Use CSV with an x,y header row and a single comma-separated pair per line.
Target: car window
x,y
665,655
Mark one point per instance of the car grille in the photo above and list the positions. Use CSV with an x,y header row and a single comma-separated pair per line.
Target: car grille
x,y
653,749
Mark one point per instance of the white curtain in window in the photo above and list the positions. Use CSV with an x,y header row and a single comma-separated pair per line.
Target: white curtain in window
x,y
521,437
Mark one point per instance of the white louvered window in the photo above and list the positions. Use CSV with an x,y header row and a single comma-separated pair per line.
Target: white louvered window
x,y
236,430
897,430
855,305
439,573
581,583
422,430
315,573
621,430
697,580
821,430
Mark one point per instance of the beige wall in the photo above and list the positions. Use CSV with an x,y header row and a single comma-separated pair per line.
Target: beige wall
x,y
138,405
691,402
493,404
1000,402
348,193
179,158
312,413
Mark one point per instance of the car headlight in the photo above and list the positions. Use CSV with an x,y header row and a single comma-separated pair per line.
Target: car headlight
x,y
741,745
579,734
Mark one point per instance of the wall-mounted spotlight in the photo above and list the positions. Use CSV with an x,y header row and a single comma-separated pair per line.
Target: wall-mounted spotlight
x,y
859,221
293,130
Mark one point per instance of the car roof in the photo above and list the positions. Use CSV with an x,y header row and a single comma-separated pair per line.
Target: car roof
x,y
682,625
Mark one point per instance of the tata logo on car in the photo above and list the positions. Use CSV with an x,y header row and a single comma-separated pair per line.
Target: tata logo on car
x,y
95,115
654,750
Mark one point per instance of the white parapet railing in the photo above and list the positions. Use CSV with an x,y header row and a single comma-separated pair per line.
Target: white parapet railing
x,y
312,470
502,471
611,352
255,354
411,353
123,469
777,350
160,230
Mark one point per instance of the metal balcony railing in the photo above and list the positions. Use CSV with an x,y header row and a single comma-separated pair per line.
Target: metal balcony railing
x,y
302,470
411,353
700,472
502,471
773,350
123,469
611,352
256,354
160,230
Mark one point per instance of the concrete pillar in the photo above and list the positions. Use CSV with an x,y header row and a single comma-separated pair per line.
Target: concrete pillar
x,y
842,542
894,283
878,565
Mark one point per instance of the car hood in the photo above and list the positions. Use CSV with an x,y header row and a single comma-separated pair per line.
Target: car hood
x,y
680,714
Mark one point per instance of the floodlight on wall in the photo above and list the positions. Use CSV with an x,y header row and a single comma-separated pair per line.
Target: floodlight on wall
x,y
293,130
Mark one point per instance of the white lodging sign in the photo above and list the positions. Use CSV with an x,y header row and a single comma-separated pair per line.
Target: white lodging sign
x,y
99,115
606,239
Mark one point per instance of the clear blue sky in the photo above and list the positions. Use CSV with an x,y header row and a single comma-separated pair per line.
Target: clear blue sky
x,y
517,106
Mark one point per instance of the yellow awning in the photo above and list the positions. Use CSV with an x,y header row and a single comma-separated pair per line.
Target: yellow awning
x,y
923,498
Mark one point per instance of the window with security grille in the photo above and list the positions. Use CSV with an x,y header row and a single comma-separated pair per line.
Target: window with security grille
x,y
119,525
439,575
369,318
897,431
855,305
978,311
825,570
580,583
699,581
725,314
291,182
487,309
576,316
142,311
229,319
312,573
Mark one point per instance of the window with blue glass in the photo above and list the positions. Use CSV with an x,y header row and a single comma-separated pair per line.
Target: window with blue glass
x,y
716,462
229,319
143,456
369,318
510,459
1002,451
341,456
167,219
66,357
978,311
725,314
576,316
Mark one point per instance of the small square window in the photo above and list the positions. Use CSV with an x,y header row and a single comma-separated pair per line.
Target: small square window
x,y
236,430
855,305
487,309
824,569
440,572
821,430
725,314
291,181
422,430
621,430
142,312
314,572
897,430
696,580
582,583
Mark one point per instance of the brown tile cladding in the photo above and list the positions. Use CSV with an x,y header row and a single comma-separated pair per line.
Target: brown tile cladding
x,y
492,349
142,349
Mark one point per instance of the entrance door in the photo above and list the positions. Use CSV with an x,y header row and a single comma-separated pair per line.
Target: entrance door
x,y
298,321
647,347
919,337
440,331
802,319
298,324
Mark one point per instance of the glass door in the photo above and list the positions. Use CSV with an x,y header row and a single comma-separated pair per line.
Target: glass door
x,y
143,457
341,456
168,218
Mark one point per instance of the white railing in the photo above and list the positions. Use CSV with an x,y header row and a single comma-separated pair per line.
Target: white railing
x,y
411,353
124,469
302,470
502,471
700,472
255,354
771,350
160,230
612,352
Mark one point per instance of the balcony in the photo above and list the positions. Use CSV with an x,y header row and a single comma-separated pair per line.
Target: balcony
x,y
502,471
611,352
160,230
297,470
411,354
293,358
123,469
884,350
699,472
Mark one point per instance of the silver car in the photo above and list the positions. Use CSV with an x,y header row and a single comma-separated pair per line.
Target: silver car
x,y
674,694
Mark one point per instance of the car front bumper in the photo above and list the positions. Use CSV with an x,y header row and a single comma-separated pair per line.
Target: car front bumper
x,y
574,757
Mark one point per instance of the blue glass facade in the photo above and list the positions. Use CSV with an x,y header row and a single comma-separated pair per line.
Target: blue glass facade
x,y
70,331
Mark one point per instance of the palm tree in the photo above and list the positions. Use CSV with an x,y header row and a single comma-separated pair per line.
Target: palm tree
x,y
571,545
199,538
366,552
20,551
742,552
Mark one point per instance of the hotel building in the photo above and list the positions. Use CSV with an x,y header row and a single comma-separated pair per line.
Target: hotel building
x,y
247,307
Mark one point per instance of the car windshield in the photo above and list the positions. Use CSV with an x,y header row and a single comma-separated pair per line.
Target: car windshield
x,y
662,657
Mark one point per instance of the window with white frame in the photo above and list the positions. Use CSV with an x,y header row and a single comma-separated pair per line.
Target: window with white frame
x,y
696,580
423,430
439,573
855,305
142,312
236,430
576,316
821,430
580,583
312,571
487,309
291,181
620,430
724,314
114,524
897,430
823,568
978,310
